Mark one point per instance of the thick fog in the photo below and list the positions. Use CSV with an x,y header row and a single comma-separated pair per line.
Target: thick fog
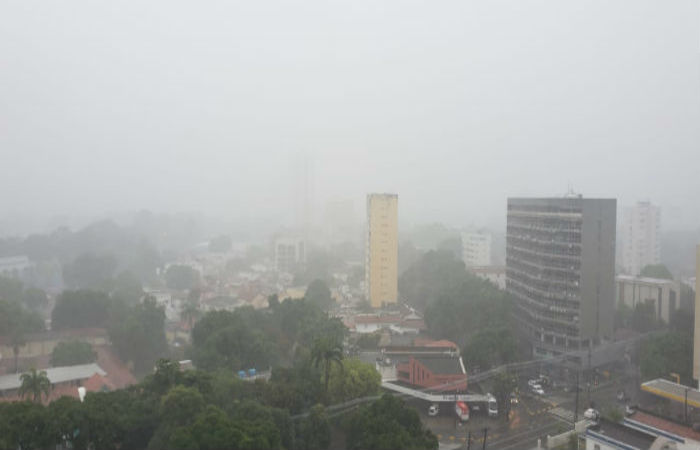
x,y
108,107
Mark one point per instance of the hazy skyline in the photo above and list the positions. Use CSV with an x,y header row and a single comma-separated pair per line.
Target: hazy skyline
x,y
178,106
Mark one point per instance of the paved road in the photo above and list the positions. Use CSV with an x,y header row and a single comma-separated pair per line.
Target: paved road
x,y
534,418
529,421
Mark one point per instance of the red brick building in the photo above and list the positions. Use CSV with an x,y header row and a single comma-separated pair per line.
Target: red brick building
x,y
439,373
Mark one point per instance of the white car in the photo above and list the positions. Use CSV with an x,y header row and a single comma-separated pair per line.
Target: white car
x,y
591,414
433,410
537,389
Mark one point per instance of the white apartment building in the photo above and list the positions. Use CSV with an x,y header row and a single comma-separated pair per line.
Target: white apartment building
x,y
476,249
641,237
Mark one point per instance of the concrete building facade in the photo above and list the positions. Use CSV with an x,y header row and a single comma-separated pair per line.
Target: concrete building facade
x,y
382,249
663,295
641,244
476,249
289,251
560,268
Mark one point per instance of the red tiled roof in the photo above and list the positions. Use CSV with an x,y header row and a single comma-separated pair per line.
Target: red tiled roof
x,y
119,374
424,342
666,425
97,383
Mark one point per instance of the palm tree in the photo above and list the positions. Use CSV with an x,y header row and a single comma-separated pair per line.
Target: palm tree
x,y
35,384
327,351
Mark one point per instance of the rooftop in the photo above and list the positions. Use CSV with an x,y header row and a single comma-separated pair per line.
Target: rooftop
x,y
441,365
660,426
645,280
614,433
673,391
56,375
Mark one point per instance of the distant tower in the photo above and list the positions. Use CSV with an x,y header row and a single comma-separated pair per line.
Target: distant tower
x,y
641,243
382,248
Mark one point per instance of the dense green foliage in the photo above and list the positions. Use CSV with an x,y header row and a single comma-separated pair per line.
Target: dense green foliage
x,y
14,291
248,338
462,308
137,333
319,294
388,424
490,347
81,309
181,277
352,379
14,319
656,271
430,277
72,353
136,329
667,353
193,409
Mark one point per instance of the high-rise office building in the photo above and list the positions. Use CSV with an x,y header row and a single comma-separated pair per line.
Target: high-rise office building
x,y
476,249
641,245
560,269
382,249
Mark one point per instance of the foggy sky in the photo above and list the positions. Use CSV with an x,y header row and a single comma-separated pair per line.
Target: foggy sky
x,y
455,105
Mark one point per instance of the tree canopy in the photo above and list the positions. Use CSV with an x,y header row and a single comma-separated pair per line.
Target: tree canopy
x,y
81,309
656,271
667,353
319,294
248,338
426,279
72,353
138,333
388,424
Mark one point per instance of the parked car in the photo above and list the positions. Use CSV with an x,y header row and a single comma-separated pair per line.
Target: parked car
x,y
433,410
514,399
492,406
537,389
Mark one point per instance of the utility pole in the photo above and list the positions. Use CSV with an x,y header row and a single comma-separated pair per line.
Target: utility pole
x,y
686,406
469,440
486,431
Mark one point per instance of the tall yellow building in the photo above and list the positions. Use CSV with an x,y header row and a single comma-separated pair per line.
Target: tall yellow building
x,y
382,252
